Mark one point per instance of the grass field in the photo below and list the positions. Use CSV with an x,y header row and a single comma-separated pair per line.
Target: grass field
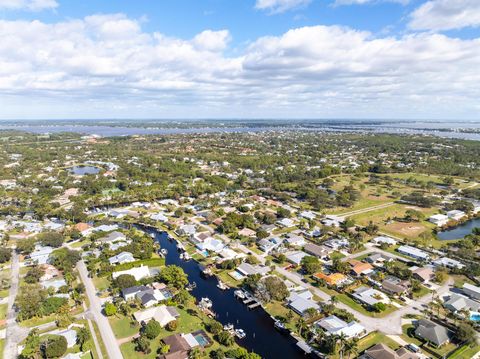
x,y
465,351
122,328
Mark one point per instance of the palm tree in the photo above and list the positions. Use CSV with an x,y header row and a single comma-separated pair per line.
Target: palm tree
x,y
351,347
342,338
301,326
333,299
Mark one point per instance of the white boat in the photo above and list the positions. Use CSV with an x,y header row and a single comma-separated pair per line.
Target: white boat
x,y
222,285
185,256
240,333
205,303
163,251
228,327
239,294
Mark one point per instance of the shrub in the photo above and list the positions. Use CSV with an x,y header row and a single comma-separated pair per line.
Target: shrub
x,y
172,326
55,347
152,329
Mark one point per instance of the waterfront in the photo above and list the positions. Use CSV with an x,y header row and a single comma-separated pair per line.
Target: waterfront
x,y
459,231
257,324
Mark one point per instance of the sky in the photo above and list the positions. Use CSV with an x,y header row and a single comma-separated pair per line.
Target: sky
x,y
302,59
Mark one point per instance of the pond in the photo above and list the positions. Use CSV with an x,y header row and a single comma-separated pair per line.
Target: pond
x,y
261,335
460,231
84,170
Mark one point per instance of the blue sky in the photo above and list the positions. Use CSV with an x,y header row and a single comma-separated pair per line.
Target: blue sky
x,y
240,58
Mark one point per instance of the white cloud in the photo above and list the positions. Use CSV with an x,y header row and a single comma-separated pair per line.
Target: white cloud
x,y
108,66
363,2
279,6
31,5
446,15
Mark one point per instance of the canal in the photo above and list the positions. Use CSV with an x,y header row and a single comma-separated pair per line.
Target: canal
x,y
460,231
262,337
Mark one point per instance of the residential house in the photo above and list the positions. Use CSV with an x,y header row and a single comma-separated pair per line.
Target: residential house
x,y
84,228
337,243
395,286
333,221
267,245
423,274
295,240
130,292
456,215
439,219
471,290
246,269
246,232
414,252
187,230
333,279
378,259
370,296
286,223
137,272
333,325
384,240
161,314
448,263
382,351
313,233
113,237
458,302
321,252
54,283
123,257
40,254
178,347
308,215
301,302
49,272
295,257
432,332
360,268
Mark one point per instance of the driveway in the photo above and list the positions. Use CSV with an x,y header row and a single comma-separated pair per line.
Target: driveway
x,y
104,327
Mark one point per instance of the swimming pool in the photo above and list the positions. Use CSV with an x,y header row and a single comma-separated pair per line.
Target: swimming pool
x,y
475,316
201,340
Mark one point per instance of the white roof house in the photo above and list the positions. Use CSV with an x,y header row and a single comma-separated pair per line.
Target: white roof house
x,y
333,325
295,257
40,254
161,314
308,215
123,257
370,296
286,222
471,290
159,217
413,252
439,219
384,239
456,214
138,272
448,262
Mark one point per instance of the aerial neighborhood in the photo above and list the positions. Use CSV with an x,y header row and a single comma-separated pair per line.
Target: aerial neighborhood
x,y
141,248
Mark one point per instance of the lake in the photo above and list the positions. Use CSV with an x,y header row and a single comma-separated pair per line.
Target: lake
x,y
84,170
262,337
460,231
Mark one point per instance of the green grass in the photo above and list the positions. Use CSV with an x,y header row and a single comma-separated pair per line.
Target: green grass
x,y
121,327
345,299
369,341
151,262
101,283
186,324
408,336
337,255
33,322
99,339
278,310
3,311
422,292
465,352
2,345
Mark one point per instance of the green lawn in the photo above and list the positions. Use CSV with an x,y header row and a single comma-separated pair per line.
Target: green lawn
x,y
3,311
122,328
345,299
186,324
33,322
101,283
408,336
2,345
422,292
278,310
465,352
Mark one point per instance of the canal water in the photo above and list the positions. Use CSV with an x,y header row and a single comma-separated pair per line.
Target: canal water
x,y
460,231
262,337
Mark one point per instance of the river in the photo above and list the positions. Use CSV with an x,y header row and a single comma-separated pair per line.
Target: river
x,y
460,231
262,337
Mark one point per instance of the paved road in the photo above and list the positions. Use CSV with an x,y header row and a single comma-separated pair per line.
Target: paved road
x,y
14,333
104,327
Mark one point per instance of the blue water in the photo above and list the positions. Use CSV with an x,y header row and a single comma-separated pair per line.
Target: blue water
x,y
262,337
475,317
460,231
84,170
